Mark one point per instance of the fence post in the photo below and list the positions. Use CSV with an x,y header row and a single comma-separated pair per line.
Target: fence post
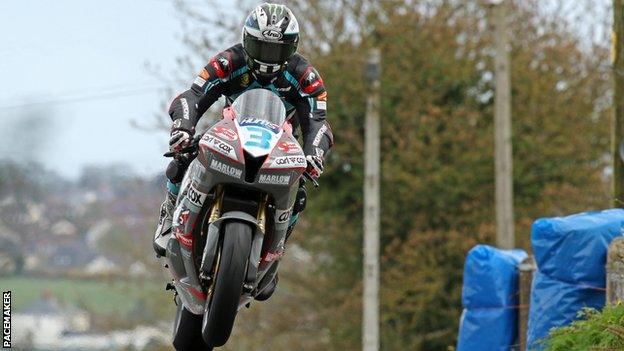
x,y
526,269
615,271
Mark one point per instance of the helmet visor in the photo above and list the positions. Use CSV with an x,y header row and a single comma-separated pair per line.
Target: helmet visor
x,y
268,52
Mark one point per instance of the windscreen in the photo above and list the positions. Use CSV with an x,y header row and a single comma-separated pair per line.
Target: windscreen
x,y
261,104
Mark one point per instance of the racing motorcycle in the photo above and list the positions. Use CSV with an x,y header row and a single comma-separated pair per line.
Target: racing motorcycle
x,y
232,215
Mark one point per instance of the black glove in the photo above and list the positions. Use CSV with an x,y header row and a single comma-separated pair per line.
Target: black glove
x,y
315,166
181,136
179,139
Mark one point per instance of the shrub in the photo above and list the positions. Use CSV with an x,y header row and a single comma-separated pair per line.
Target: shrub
x,y
596,330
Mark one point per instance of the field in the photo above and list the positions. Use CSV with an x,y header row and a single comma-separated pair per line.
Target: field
x,y
99,296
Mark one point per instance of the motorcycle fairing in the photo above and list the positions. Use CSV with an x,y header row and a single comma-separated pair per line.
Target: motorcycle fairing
x,y
217,165
223,139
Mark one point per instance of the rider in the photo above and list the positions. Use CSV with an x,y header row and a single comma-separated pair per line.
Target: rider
x,y
266,59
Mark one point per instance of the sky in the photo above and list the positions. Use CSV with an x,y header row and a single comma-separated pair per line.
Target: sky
x,y
73,78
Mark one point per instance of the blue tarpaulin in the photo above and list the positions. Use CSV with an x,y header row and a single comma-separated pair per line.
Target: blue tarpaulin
x,y
490,299
571,254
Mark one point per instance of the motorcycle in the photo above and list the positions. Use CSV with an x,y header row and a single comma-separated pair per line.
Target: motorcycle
x,y
232,215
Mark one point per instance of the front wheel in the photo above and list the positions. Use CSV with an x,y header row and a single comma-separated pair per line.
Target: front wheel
x,y
219,318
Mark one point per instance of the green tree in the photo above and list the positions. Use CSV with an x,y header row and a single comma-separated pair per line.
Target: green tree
x,y
437,153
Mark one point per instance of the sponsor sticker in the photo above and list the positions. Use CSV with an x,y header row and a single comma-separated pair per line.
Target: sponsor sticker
x,y
218,65
260,123
274,179
196,197
321,105
226,169
311,77
6,319
272,34
180,225
183,217
185,240
288,147
311,82
244,80
282,216
219,146
289,162
319,135
225,133
185,108
224,62
199,81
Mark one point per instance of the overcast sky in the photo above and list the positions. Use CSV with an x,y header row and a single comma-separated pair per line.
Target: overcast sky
x,y
73,78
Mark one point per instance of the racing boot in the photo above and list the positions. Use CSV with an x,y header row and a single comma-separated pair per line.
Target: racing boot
x,y
268,291
163,230
300,203
298,207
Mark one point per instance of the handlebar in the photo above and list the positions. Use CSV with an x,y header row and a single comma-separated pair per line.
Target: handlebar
x,y
307,176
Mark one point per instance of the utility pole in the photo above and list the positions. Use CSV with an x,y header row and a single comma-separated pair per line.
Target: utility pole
x,y
502,126
370,321
526,270
617,134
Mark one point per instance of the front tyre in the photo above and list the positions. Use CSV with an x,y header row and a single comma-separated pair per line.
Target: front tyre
x,y
219,319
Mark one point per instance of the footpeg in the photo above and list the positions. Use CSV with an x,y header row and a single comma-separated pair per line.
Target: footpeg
x,y
247,288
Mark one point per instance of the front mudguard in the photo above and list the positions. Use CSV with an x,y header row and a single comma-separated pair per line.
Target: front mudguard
x,y
212,245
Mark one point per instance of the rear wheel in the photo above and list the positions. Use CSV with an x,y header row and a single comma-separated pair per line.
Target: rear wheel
x,y
220,316
187,331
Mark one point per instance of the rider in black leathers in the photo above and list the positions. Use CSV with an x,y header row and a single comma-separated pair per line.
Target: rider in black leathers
x,y
266,59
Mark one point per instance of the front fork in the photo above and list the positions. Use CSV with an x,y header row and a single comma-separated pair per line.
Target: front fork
x,y
210,259
215,211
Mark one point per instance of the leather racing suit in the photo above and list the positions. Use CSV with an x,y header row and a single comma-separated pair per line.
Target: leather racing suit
x,y
299,85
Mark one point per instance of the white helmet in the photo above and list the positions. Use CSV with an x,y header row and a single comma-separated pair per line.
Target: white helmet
x,y
270,39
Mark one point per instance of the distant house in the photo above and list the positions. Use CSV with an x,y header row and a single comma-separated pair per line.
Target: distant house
x,y
11,252
46,325
138,269
69,254
46,321
101,265
64,228
97,232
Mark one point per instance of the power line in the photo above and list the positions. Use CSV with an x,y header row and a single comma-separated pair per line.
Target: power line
x,y
91,97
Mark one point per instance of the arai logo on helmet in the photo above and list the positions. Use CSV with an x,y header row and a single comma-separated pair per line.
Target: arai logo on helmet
x,y
272,34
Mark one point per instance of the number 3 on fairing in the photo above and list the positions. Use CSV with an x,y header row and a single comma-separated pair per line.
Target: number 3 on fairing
x,y
262,138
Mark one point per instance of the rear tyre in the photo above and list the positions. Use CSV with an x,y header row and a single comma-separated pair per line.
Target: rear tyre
x,y
219,319
187,331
